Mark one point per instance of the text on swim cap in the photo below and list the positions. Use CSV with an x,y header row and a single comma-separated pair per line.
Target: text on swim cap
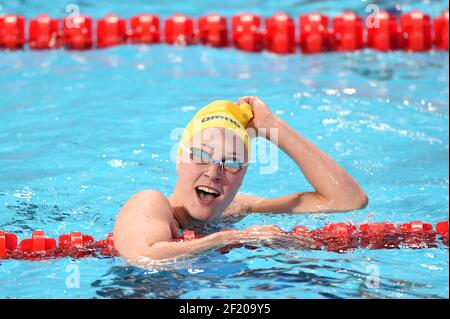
x,y
220,117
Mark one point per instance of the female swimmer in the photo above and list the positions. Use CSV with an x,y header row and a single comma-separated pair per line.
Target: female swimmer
x,y
213,158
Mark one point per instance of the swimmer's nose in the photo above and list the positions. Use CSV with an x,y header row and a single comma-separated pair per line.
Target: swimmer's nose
x,y
214,171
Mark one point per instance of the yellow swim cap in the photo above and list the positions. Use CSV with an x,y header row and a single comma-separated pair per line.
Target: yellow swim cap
x,y
220,114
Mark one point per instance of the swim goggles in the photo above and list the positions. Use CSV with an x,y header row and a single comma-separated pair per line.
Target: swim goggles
x,y
202,157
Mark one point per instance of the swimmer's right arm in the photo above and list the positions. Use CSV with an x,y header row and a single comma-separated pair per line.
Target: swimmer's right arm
x,y
256,235
142,231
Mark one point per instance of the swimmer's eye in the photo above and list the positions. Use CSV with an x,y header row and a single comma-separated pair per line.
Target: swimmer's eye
x,y
200,156
232,166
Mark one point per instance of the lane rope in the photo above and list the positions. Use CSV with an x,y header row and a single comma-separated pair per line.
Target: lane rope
x,y
414,31
338,237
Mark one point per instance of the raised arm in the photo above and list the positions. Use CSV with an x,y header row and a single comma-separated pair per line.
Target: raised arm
x,y
335,190
145,227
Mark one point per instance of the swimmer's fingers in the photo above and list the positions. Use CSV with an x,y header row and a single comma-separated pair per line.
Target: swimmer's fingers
x,y
274,232
254,101
279,239
263,230
262,116
245,99
267,234
286,240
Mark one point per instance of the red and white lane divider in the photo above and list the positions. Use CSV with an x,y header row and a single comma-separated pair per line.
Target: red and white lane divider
x,y
414,31
340,237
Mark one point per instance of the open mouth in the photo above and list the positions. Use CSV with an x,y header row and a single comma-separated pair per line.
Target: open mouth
x,y
206,193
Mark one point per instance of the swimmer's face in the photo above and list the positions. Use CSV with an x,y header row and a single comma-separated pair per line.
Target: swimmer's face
x,y
207,189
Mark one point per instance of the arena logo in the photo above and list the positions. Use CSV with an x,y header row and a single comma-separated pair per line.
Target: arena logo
x,y
221,117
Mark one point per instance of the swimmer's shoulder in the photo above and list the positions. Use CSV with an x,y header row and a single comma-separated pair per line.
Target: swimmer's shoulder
x,y
147,203
150,197
145,218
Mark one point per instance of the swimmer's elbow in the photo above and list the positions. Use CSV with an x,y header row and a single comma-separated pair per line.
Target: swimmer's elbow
x,y
356,202
157,251
364,201
140,256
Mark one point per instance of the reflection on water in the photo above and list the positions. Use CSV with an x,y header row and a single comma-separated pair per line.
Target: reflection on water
x,y
320,278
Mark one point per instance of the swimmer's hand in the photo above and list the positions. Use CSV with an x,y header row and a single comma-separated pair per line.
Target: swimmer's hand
x,y
263,118
275,237
263,231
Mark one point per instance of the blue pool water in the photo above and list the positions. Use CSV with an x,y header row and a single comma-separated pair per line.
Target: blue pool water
x,y
80,132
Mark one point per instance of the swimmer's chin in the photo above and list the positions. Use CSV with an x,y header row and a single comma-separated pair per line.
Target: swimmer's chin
x,y
207,218
206,214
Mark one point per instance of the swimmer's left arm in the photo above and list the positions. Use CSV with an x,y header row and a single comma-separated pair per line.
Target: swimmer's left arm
x,y
335,189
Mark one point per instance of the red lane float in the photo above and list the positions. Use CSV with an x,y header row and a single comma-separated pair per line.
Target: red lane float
x,y
77,32
106,246
314,235
213,30
75,245
338,237
111,30
378,236
417,235
348,32
442,230
384,33
12,31
441,31
179,30
416,29
413,32
280,34
8,243
315,36
246,35
44,33
144,29
188,235
38,246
